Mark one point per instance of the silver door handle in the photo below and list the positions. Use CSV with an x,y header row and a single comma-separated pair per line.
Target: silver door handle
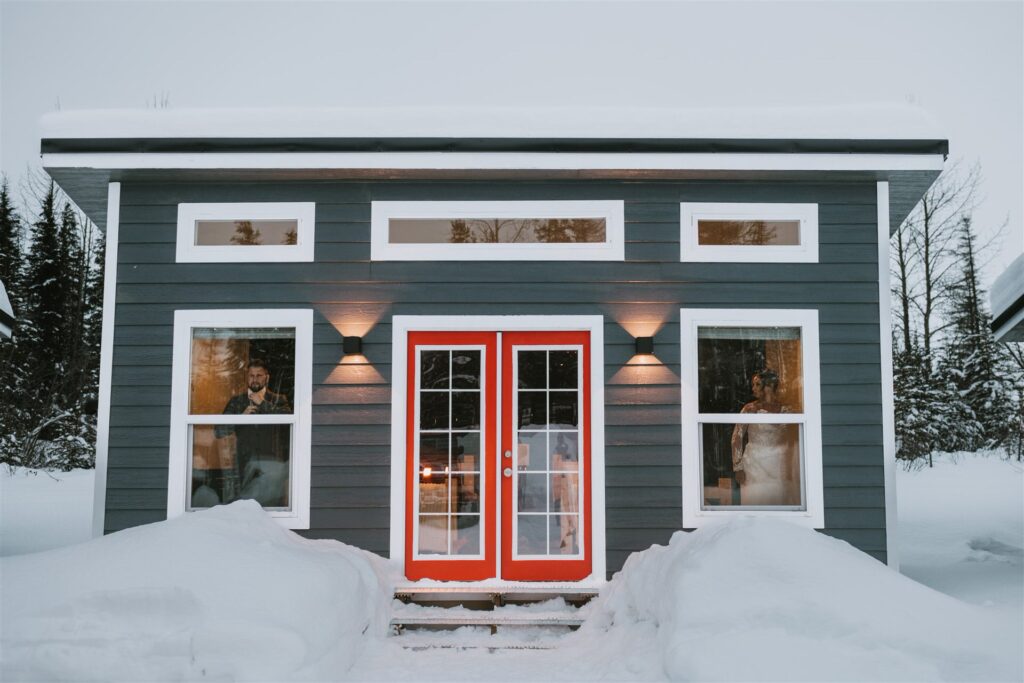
x,y
507,472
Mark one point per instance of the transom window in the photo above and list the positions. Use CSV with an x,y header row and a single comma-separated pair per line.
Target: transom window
x,y
752,427
498,231
242,232
749,232
240,411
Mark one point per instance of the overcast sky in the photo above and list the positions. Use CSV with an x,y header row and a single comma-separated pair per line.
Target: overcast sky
x,y
962,61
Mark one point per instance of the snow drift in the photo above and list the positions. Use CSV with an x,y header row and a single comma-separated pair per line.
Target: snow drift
x,y
223,594
759,599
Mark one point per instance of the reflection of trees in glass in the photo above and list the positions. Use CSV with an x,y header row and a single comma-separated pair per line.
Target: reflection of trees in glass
x,y
526,230
737,232
291,237
246,234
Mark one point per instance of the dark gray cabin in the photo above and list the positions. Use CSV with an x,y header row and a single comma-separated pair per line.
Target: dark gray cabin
x,y
526,433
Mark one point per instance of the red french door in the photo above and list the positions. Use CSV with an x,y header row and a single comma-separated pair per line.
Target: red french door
x,y
498,456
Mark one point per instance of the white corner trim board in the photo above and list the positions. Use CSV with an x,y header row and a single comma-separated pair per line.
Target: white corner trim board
x,y
502,160
402,325
106,358
888,398
179,472
304,213
695,514
611,249
691,213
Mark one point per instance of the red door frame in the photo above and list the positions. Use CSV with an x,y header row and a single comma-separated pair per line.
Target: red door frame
x,y
455,569
544,569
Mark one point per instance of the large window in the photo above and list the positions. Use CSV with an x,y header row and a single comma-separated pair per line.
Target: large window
x,y
751,414
498,231
743,232
241,411
243,232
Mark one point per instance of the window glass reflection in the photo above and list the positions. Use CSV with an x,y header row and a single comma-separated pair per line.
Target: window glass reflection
x,y
496,230
755,465
235,461
755,233
246,232
759,369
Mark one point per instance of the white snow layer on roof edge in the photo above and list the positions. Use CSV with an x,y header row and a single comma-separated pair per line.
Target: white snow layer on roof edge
x,y
5,302
853,122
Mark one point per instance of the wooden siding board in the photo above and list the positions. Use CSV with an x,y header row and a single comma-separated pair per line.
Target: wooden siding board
x,y
351,450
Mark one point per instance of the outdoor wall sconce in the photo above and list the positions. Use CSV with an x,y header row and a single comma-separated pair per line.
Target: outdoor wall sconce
x,y
644,346
352,345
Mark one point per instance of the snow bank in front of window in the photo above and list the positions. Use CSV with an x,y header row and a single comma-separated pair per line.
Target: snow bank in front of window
x,y
222,594
760,599
882,121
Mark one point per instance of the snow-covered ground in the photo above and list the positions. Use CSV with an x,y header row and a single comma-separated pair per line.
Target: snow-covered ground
x,y
44,510
227,595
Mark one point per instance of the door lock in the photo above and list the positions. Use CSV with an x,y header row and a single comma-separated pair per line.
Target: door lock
x,y
508,454
507,472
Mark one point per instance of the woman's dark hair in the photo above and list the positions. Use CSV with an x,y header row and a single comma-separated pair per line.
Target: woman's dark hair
x,y
769,378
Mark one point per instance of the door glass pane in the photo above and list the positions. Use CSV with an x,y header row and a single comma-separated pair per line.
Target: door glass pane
x,y
564,535
532,451
564,410
548,457
565,493
465,410
434,409
450,460
465,493
565,451
434,452
434,369
466,533
749,369
532,369
564,369
532,492
466,451
533,409
532,535
433,537
754,465
466,369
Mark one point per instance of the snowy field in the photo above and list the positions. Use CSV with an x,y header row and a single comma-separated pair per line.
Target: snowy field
x,y
228,595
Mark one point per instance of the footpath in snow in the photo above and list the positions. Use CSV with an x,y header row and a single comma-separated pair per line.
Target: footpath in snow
x,y
226,594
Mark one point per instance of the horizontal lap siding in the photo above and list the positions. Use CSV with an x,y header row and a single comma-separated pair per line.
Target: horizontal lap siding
x,y
352,403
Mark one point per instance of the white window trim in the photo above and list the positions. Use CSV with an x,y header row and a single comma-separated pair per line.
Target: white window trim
x,y
189,252
691,212
689,320
184,321
612,211
402,325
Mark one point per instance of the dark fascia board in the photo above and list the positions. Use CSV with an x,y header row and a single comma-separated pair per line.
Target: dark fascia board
x,y
6,319
548,145
1006,316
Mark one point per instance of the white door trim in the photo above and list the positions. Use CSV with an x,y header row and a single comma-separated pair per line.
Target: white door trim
x,y
401,325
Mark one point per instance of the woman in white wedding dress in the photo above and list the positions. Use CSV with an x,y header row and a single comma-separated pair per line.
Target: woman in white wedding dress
x,y
762,454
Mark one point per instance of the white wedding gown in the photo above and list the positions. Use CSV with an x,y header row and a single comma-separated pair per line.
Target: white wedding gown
x,y
766,463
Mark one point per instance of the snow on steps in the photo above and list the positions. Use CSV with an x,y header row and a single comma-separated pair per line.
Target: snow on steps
x,y
487,618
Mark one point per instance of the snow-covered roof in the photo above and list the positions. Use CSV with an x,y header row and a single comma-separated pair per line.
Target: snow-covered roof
x,y
852,122
1007,298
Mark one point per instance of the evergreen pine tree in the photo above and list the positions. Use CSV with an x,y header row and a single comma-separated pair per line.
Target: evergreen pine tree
x,y
11,252
929,413
972,357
